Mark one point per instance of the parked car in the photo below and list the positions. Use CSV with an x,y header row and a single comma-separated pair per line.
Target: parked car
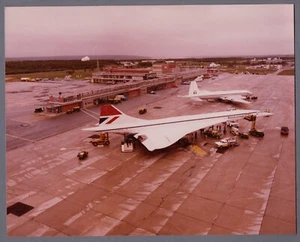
x,y
82,155
142,111
227,142
284,130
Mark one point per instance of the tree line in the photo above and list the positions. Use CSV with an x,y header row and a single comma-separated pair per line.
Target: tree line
x,y
20,67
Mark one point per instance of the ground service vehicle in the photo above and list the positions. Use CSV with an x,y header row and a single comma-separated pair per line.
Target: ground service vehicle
x,y
39,110
73,110
284,130
82,155
244,135
251,97
114,100
227,142
101,139
232,124
76,109
250,117
235,131
127,147
213,133
122,97
256,133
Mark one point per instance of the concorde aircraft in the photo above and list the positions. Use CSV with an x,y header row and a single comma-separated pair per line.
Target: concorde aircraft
x,y
160,133
234,96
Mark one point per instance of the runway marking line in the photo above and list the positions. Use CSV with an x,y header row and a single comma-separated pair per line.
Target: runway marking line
x,y
17,137
89,114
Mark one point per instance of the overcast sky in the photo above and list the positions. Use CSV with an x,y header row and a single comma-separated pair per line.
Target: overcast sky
x,y
152,31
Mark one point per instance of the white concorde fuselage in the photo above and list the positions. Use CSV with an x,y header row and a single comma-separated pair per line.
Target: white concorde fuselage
x,y
161,133
136,124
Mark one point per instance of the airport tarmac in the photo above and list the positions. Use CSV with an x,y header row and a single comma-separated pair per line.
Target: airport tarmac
x,y
194,190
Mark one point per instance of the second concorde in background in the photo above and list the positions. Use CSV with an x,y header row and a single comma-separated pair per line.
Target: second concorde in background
x,y
161,133
234,96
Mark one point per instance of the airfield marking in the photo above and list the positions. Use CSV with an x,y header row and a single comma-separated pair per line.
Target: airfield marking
x,y
87,113
17,137
196,149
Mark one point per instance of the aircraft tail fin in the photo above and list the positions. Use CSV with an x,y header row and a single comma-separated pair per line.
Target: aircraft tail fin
x,y
109,114
194,90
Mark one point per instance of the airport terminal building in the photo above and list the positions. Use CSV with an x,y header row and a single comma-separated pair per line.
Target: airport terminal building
x,y
113,75
124,75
